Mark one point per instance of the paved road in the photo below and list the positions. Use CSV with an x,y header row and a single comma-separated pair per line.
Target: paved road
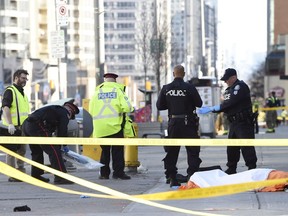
x,y
150,179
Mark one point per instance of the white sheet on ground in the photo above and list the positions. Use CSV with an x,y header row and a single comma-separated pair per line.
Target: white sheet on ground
x,y
218,177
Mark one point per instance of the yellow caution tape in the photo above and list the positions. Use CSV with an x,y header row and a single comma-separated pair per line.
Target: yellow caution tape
x,y
9,171
212,191
142,142
272,108
171,195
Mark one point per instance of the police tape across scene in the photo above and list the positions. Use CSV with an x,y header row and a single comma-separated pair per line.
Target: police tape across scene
x,y
143,142
170,195
7,170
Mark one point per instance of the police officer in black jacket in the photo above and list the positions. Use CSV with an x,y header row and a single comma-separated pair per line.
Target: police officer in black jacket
x,y
238,107
181,100
44,122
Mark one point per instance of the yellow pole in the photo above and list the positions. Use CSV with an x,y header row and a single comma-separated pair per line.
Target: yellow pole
x,y
92,151
131,154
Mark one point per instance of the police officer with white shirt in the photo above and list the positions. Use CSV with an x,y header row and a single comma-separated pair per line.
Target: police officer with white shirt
x,y
238,107
181,100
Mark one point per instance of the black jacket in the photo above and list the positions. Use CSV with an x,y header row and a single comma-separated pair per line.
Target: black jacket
x,y
179,97
236,99
53,118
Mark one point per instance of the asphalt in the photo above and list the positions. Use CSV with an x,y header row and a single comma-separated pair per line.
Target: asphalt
x,y
150,179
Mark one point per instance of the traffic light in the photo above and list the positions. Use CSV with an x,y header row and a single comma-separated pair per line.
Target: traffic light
x,y
37,87
148,86
51,84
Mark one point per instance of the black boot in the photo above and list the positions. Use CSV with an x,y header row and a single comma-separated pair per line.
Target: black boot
x,y
231,171
174,182
251,167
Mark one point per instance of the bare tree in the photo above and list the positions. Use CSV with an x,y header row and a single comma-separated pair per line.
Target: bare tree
x,y
143,41
257,80
160,52
153,43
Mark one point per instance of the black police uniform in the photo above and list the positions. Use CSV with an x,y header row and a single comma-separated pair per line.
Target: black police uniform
x,y
238,107
43,123
181,100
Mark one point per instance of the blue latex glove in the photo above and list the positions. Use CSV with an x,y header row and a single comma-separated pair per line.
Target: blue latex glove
x,y
65,149
204,110
215,108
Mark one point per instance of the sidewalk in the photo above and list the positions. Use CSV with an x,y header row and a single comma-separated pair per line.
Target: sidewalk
x,y
149,180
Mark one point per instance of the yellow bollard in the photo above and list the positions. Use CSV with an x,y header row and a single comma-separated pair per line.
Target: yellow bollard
x,y
92,151
131,154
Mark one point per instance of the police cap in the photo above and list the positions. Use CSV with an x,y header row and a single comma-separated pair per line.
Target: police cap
x,y
110,75
228,73
73,108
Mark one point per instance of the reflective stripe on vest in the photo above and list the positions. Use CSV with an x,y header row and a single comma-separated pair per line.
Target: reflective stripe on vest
x,y
107,104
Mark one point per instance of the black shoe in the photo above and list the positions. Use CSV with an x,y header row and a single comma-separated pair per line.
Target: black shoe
x,y
174,182
60,181
230,171
123,177
41,178
251,167
103,177
14,180
181,178
168,180
22,208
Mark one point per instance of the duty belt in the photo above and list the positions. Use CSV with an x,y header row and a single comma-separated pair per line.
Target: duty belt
x,y
241,116
178,116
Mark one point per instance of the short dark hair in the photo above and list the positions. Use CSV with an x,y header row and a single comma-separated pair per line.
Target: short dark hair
x,y
19,72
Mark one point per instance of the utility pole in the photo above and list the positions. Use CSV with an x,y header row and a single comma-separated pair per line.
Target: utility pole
x,y
61,14
99,40
1,54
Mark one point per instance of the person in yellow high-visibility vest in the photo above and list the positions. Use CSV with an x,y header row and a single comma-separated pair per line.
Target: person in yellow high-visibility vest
x,y
271,115
109,107
15,107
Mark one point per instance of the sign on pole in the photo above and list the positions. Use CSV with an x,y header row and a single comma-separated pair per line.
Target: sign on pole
x,y
61,12
57,44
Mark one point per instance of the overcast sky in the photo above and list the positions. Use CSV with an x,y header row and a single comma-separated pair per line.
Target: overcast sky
x,y
242,33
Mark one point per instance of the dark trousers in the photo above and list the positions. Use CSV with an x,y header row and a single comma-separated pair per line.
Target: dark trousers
x,y
171,158
256,125
117,152
53,151
177,128
241,130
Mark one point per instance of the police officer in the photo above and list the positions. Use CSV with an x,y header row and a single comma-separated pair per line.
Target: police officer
x,y
44,122
181,100
237,104
271,115
109,107
15,107
255,110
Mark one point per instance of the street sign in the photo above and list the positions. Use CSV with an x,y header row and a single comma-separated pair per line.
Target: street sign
x,y
61,12
57,44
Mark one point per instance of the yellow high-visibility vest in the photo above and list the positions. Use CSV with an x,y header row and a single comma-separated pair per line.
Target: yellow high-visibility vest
x,y
23,107
108,107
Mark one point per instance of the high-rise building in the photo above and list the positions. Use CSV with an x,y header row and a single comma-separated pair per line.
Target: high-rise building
x,y
194,36
178,45
75,74
14,38
276,71
123,34
210,38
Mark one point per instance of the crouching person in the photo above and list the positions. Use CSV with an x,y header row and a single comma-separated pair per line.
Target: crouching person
x,y
44,122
